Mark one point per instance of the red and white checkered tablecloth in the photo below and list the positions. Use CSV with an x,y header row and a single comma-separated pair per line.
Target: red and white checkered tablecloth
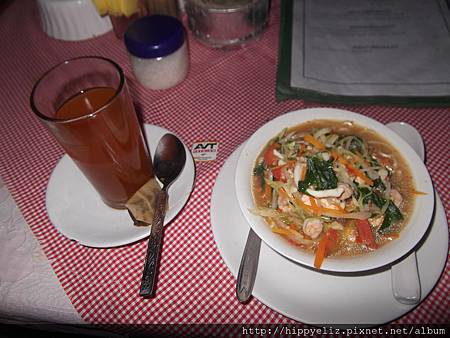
x,y
226,97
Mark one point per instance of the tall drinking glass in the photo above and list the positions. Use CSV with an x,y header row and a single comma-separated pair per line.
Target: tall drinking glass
x,y
85,103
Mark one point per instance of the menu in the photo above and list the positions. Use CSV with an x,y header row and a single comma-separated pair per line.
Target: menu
x,y
374,51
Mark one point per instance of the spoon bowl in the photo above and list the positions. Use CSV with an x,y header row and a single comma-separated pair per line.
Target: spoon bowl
x,y
410,135
169,160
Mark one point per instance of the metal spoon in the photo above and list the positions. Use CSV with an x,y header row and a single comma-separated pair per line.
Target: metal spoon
x,y
405,274
248,267
168,163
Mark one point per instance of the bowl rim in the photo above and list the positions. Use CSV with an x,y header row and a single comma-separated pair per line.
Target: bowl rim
x,y
413,232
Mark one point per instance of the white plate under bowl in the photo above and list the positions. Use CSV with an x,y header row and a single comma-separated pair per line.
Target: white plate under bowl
x,y
311,296
388,253
77,211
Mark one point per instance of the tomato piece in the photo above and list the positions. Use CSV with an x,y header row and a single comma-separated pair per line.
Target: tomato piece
x,y
278,173
269,156
365,234
333,238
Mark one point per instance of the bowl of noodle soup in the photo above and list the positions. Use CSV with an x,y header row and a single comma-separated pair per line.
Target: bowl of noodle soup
x,y
334,190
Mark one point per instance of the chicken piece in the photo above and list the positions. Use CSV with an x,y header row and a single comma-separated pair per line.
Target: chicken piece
x,y
292,189
337,225
326,156
305,199
396,197
326,193
283,203
331,203
312,227
383,173
360,181
348,191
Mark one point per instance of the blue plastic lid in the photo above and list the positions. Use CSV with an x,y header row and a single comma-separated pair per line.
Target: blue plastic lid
x,y
154,36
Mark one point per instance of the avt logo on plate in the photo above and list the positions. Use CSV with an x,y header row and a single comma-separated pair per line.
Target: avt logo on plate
x,y
205,150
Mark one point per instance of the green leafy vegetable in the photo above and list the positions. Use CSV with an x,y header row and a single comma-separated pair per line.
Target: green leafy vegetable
x,y
379,185
259,171
357,145
319,174
391,216
370,196
392,213
374,162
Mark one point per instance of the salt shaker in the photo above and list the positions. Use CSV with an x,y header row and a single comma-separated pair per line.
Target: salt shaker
x,y
158,51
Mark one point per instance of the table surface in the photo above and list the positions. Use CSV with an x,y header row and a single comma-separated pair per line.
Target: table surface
x,y
226,97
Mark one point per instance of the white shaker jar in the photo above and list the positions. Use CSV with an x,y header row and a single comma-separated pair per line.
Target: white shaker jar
x,y
158,51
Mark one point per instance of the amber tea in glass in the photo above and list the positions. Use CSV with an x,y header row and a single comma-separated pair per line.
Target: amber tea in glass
x,y
85,104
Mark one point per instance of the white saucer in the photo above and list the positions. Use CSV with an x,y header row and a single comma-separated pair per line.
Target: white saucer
x,y
313,297
78,212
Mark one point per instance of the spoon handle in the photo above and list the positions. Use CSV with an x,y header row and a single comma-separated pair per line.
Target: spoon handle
x,y
405,280
148,282
248,268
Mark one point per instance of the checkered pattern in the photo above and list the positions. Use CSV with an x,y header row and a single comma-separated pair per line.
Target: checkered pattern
x,y
226,97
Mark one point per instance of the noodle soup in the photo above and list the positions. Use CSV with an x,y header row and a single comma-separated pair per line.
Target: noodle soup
x,y
333,188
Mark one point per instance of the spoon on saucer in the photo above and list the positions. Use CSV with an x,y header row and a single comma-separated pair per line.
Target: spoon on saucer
x,y
168,163
405,274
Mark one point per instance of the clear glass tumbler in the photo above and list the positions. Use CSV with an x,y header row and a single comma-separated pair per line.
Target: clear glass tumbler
x,y
85,103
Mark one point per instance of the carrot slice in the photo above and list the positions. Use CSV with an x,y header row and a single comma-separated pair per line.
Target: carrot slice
x,y
315,142
327,244
284,193
365,234
314,206
303,173
278,173
332,212
392,236
351,168
302,205
301,149
321,252
358,173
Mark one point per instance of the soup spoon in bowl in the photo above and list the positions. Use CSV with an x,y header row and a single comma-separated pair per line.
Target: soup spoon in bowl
x,y
405,274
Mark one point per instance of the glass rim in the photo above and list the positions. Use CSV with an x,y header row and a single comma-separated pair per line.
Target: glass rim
x,y
118,90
